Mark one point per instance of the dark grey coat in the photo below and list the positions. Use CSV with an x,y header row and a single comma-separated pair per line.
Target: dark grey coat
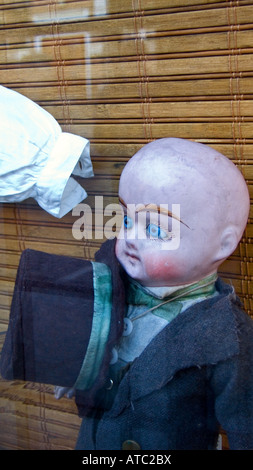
x,y
195,375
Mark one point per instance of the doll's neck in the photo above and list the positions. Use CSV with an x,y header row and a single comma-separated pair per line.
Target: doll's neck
x,y
166,291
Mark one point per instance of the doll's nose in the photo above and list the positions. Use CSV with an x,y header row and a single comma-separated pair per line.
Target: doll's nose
x,y
131,243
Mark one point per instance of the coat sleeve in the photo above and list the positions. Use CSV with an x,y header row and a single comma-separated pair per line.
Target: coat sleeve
x,y
232,384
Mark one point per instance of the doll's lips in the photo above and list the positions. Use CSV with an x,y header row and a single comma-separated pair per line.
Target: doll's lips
x,y
132,256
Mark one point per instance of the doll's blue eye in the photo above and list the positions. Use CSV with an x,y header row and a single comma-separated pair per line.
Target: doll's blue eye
x,y
155,231
128,223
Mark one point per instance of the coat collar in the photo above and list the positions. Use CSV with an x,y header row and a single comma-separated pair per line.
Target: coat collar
x,y
204,334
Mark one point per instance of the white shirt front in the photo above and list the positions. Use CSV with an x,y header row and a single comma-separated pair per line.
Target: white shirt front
x,y
37,158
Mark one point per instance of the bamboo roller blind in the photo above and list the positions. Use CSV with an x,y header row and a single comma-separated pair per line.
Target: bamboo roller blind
x,y
119,73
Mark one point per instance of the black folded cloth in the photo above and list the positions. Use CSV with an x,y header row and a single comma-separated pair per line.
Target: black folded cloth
x,y
66,316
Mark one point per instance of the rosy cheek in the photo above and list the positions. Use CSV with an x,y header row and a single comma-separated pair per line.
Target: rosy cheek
x,y
161,268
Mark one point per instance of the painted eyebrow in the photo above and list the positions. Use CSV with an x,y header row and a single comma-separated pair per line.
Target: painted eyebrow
x,y
154,208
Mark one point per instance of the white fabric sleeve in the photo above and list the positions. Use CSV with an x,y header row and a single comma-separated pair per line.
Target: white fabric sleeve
x,y
37,158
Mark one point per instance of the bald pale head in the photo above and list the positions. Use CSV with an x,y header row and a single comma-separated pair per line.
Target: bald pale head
x,y
214,206
194,175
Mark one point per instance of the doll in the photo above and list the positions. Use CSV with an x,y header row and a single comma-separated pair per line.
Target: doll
x,y
187,363
177,358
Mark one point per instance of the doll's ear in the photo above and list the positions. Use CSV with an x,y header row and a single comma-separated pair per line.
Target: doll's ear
x,y
228,243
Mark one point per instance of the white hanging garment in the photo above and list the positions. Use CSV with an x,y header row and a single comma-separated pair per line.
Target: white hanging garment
x,y
37,158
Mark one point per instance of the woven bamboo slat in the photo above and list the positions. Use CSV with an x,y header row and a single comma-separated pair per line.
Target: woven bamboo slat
x,y
120,74
159,89
124,46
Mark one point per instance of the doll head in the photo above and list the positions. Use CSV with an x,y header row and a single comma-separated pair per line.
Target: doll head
x,y
214,207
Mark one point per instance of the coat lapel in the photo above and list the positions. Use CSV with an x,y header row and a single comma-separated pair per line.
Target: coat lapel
x,y
203,334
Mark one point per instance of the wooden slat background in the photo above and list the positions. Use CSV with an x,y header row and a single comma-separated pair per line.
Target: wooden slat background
x,y
119,73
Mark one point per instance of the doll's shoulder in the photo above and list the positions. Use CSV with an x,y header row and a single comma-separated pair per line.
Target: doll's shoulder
x,y
234,305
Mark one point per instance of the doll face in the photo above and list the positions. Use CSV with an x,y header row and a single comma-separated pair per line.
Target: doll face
x,y
214,206
144,244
